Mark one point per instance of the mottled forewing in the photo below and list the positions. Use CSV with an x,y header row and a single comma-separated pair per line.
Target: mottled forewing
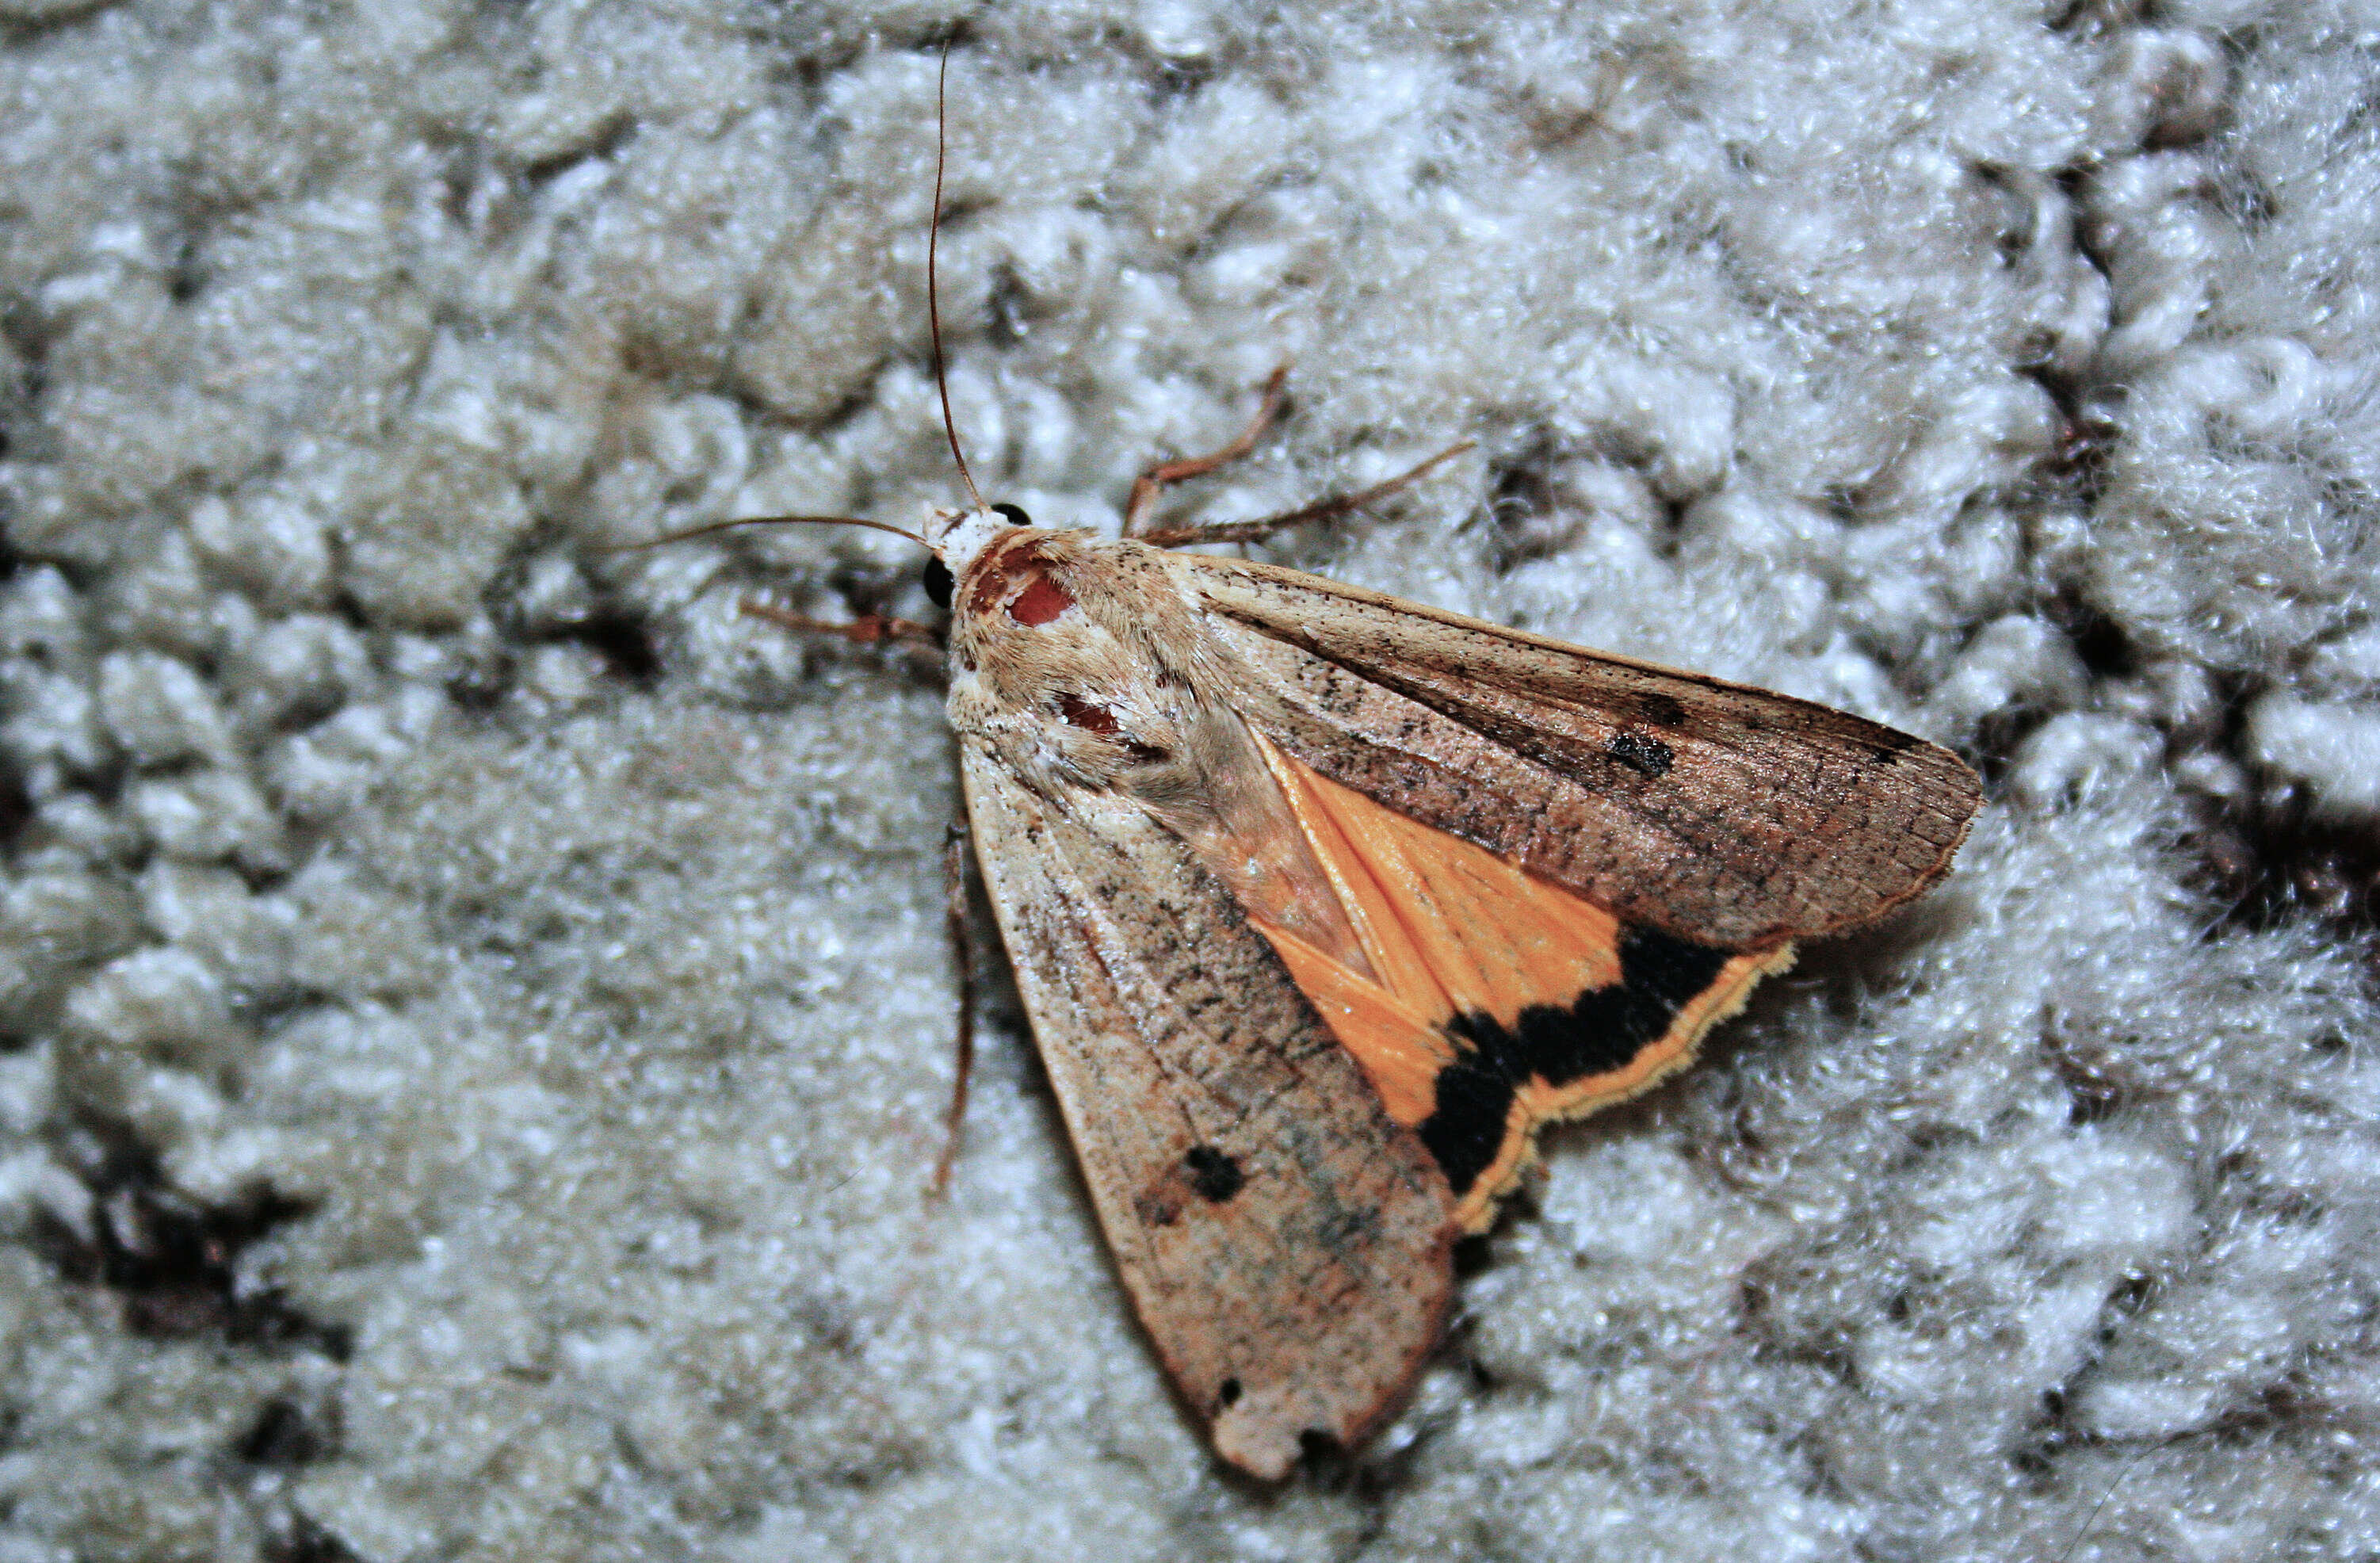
x,y
1729,815
1285,1242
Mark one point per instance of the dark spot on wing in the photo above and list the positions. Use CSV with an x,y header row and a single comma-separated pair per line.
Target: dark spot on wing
x,y
1888,746
1214,1175
1661,711
1602,1031
1227,1394
1646,756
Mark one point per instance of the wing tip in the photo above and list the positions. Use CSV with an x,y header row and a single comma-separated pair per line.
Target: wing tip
x,y
1265,1428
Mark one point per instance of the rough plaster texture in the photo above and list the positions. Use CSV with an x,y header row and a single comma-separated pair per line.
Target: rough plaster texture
x,y
473,1012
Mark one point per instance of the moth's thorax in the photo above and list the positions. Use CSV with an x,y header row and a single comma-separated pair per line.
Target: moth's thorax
x,y
1070,652
1086,666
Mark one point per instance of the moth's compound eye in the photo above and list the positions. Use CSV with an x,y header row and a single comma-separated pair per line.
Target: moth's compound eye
x,y
937,582
1013,514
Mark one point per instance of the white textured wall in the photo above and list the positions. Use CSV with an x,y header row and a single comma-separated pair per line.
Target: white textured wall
x,y
2002,370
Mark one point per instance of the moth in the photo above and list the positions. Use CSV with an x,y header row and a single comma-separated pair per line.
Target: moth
x,y
1322,904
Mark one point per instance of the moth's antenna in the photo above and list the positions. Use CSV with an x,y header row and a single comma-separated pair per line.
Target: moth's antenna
x,y
710,527
934,288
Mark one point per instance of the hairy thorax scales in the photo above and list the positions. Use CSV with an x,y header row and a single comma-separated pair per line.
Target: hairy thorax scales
x,y
1084,668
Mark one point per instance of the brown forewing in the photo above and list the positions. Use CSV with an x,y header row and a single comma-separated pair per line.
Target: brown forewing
x,y
1725,815
1285,1242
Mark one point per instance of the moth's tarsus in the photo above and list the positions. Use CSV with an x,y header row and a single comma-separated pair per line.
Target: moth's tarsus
x,y
1328,509
1146,487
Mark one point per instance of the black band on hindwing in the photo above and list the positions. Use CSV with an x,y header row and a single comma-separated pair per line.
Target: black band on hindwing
x,y
1604,1030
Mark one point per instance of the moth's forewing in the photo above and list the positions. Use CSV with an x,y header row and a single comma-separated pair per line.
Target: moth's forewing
x,y
1732,816
1285,1242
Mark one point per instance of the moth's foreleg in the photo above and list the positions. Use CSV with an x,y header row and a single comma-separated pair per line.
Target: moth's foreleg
x,y
869,629
1145,487
962,935
1329,508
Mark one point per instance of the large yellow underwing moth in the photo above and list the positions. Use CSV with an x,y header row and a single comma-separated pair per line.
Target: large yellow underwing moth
x,y
1322,902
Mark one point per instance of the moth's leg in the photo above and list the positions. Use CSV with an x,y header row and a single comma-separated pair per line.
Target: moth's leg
x,y
954,914
869,629
1327,509
1145,487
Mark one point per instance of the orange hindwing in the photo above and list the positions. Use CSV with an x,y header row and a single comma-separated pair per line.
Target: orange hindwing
x,y
1495,1001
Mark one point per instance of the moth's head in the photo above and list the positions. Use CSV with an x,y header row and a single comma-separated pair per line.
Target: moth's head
x,y
958,538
